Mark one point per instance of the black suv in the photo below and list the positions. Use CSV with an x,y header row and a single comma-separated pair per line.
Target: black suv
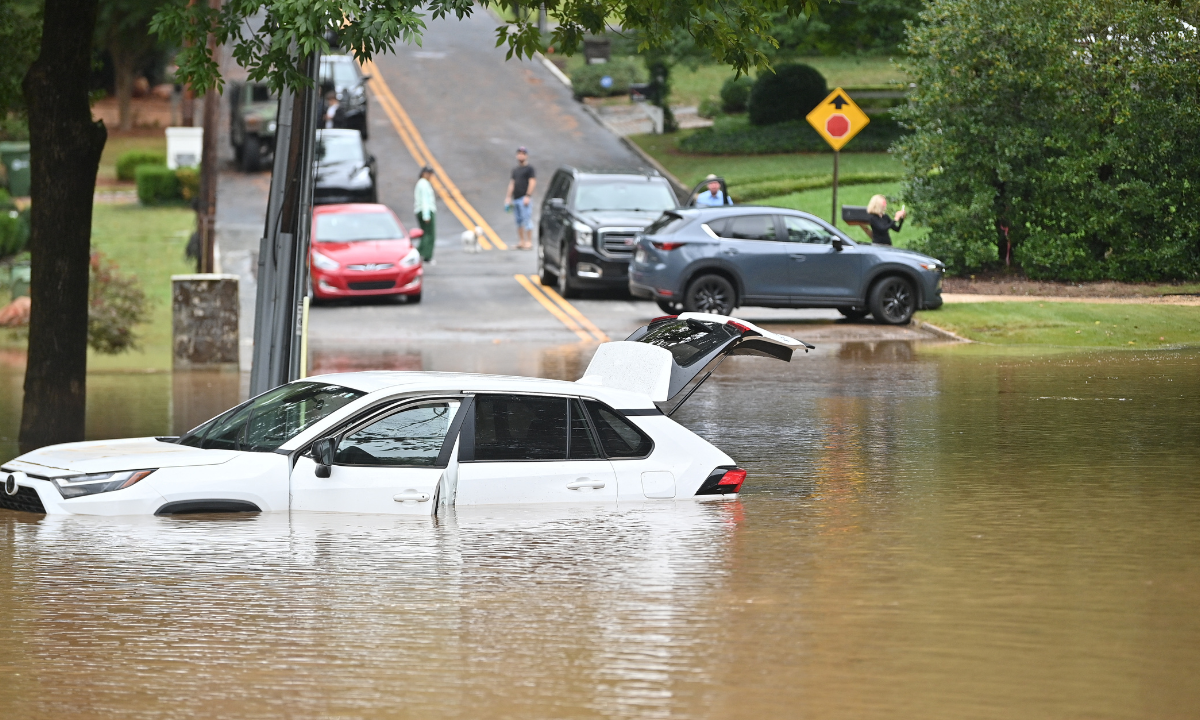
x,y
340,73
590,223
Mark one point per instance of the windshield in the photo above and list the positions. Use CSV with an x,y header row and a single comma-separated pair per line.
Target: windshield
x,y
260,94
334,148
351,227
648,196
338,72
270,420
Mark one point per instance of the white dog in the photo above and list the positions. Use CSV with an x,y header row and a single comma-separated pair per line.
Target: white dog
x,y
470,240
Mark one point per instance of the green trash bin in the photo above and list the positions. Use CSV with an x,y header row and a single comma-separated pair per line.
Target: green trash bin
x,y
15,158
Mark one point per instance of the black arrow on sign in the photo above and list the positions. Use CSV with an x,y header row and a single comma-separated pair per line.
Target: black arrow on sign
x,y
839,101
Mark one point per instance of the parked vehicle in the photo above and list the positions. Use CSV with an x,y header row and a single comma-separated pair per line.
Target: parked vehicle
x,y
717,259
363,250
589,224
252,109
417,443
345,170
342,75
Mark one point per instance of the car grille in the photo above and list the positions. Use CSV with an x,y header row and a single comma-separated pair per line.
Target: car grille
x,y
373,285
26,500
370,267
618,243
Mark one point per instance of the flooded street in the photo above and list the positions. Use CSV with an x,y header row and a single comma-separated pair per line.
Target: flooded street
x,y
926,531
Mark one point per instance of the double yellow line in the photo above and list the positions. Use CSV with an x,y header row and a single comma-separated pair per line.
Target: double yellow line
x,y
442,185
561,309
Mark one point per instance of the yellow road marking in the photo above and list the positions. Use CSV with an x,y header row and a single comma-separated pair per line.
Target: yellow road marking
x,y
570,309
565,319
445,188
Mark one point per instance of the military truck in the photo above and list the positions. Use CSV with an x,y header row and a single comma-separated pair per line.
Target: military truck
x,y
252,109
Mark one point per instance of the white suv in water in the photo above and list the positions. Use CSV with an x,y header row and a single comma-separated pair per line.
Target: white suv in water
x,y
414,442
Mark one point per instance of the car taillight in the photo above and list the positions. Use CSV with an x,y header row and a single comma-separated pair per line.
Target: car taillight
x,y
723,481
738,325
665,245
663,317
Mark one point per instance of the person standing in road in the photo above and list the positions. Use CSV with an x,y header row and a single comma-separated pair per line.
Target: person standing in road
x,y
425,208
332,107
520,198
881,223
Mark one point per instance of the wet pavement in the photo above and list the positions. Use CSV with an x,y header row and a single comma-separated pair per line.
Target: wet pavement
x,y
927,531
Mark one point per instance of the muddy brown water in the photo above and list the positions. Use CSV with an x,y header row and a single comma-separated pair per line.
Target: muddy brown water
x,y
926,532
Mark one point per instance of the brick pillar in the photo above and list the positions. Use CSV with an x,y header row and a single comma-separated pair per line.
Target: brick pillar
x,y
204,321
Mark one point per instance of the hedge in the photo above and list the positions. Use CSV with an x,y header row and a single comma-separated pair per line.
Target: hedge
x,y
14,226
751,192
129,162
738,137
786,95
623,70
157,184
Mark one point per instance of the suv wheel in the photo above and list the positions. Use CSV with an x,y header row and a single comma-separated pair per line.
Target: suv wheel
x,y
250,153
710,294
670,308
893,301
548,278
565,287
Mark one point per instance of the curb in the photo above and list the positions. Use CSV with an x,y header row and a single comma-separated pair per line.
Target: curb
x,y
941,332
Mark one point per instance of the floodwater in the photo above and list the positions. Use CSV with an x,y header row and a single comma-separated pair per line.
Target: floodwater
x,y
926,532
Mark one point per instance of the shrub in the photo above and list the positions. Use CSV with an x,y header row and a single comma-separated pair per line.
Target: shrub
x,y
709,108
189,182
735,94
129,162
623,70
116,303
789,93
735,136
1060,136
156,184
14,231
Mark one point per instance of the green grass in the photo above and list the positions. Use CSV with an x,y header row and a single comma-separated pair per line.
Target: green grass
x,y
117,146
1071,324
148,243
691,86
820,203
691,169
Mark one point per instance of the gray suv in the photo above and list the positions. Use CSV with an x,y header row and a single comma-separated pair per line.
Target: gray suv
x,y
716,259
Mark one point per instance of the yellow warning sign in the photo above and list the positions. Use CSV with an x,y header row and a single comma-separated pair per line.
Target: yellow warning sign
x,y
838,119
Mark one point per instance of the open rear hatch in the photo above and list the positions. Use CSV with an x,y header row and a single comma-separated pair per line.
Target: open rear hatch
x,y
673,355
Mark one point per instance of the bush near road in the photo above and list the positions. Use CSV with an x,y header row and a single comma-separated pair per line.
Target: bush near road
x,y
737,136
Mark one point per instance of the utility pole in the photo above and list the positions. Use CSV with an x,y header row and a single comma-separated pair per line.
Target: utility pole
x,y
835,180
206,215
283,251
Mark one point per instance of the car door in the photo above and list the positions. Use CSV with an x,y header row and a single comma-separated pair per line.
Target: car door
x,y
819,270
390,462
554,216
749,242
531,449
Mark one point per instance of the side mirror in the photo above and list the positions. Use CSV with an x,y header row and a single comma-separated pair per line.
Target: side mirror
x,y
838,243
322,452
557,203
415,233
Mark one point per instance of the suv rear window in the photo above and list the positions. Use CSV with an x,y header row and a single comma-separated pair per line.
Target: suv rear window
x,y
688,340
665,225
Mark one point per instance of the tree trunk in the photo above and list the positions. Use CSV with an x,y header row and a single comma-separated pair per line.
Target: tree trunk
x,y
124,66
65,147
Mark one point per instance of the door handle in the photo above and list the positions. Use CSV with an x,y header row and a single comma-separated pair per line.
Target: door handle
x,y
730,251
585,483
799,258
411,495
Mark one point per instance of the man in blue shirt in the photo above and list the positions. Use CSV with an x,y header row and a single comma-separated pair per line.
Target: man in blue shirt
x,y
714,197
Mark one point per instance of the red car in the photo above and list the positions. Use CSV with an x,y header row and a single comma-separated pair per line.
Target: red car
x,y
362,250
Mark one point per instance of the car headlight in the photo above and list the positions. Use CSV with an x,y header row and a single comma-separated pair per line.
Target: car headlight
x,y
583,234
412,259
80,485
639,257
934,267
323,262
271,127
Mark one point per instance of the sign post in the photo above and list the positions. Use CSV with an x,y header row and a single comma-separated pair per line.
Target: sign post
x,y
837,119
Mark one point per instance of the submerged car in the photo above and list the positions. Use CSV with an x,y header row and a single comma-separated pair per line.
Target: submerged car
x,y
717,259
418,443
362,250
345,170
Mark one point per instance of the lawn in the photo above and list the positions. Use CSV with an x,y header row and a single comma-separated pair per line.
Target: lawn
x,y
117,146
148,243
820,203
1071,324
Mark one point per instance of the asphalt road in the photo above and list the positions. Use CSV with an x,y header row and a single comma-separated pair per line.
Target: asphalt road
x,y
456,102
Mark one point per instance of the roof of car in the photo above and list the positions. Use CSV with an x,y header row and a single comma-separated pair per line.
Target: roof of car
x,y
371,381
339,132
351,208
612,174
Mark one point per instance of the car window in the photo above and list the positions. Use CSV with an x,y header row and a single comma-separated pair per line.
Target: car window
x,y
273,418
351,227
520,427
339,147
583,442
618,437
338,72
635,195
803,230
749,227
688,340
558,187
666,224
260,93
412,437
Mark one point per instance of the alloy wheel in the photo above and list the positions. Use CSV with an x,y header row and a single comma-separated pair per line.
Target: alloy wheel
x,y
711,294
